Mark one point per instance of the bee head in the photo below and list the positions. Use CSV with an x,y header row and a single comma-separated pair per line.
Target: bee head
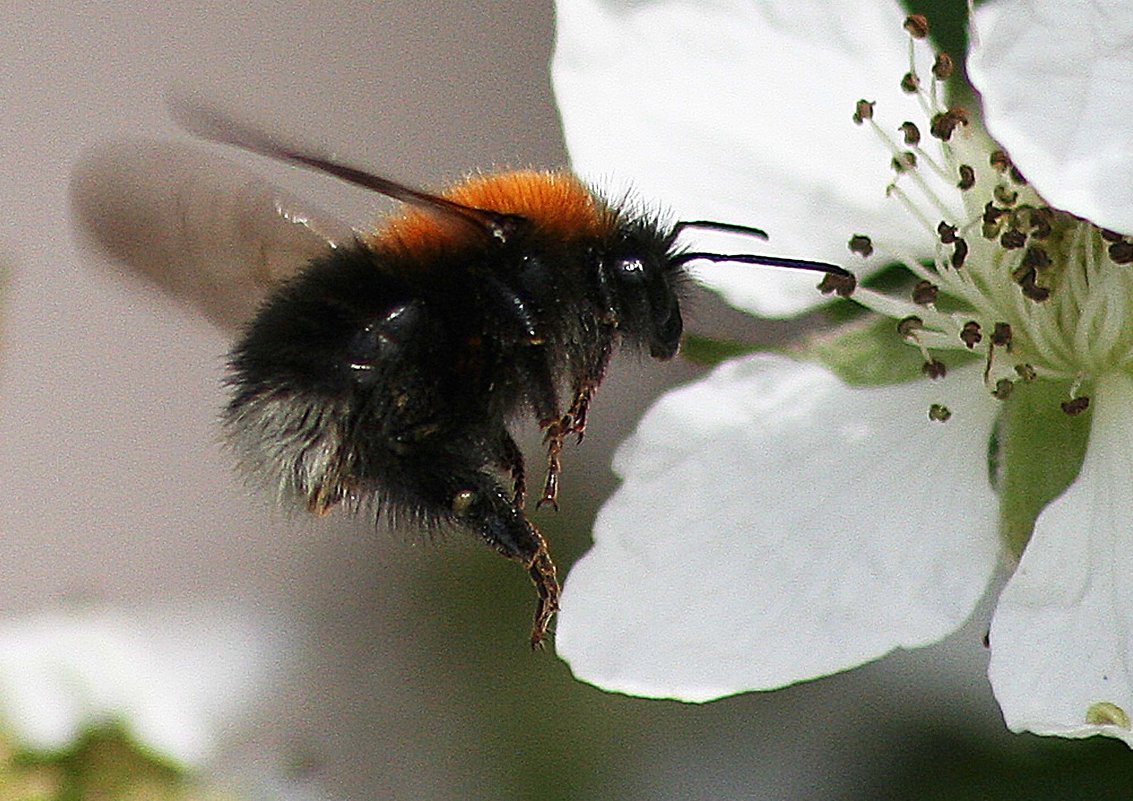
x,y
642,285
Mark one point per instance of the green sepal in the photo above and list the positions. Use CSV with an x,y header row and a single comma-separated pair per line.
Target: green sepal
x,y
872,354
1035,453
103,762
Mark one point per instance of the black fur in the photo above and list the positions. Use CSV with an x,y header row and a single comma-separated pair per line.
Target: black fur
x,y
391,377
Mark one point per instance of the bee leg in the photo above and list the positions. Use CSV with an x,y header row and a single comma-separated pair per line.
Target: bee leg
x,y
557,429
511,459
554,432
542,572
545,400
513,306
585,389
485,508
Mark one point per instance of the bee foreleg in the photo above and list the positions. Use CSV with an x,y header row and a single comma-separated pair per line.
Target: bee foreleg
x,y
557,429
585,388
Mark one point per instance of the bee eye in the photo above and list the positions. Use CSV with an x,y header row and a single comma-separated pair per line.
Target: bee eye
x,y
630,269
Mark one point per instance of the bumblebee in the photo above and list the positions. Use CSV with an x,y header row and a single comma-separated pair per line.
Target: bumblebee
x,y
386,373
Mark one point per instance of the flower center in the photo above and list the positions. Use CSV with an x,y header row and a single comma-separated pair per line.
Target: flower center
x,y
1038,292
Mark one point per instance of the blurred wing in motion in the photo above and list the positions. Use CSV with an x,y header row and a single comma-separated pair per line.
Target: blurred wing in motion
x,y
214,125
204,229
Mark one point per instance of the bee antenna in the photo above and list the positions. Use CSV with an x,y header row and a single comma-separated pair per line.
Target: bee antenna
x,y
734,228
750,258
767,261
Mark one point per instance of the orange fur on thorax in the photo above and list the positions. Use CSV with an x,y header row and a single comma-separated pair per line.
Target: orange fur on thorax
x,y
558,205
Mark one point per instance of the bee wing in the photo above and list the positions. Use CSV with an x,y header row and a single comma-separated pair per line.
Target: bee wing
x,y
202,228
216,126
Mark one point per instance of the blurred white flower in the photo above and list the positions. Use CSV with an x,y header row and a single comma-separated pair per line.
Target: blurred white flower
x,y
781,520
171,683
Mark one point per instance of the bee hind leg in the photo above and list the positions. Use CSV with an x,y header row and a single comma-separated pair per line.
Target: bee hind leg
x,y
486,509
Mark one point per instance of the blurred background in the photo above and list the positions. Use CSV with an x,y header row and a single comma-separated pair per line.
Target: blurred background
x,y
406,672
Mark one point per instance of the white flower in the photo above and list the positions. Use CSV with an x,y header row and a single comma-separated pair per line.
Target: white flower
x,y
1055,81
170,683
781,520
643,86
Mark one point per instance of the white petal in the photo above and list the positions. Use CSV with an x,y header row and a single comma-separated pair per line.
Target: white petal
x,y
775,525
742,112
170,683
1062,635
1056,83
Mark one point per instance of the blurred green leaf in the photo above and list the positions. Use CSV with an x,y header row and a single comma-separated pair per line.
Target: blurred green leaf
x,y
709,352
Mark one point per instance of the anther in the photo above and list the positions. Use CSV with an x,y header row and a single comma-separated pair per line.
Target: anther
x,y
841,285
1013,239
999,160
924,293
959,253
1026,372
1026,277
1121,252
1042,222
861,245
944,123
967,178
934,368
910,83
917,25
992,213
1036,256
1075,406
904,161
863,110
1003,389
939,413
1001,335
911,133
943,66
908,326
946,232
1005,196
970,334
992,218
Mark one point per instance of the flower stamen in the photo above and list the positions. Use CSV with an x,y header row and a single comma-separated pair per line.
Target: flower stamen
x,y
1038,290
